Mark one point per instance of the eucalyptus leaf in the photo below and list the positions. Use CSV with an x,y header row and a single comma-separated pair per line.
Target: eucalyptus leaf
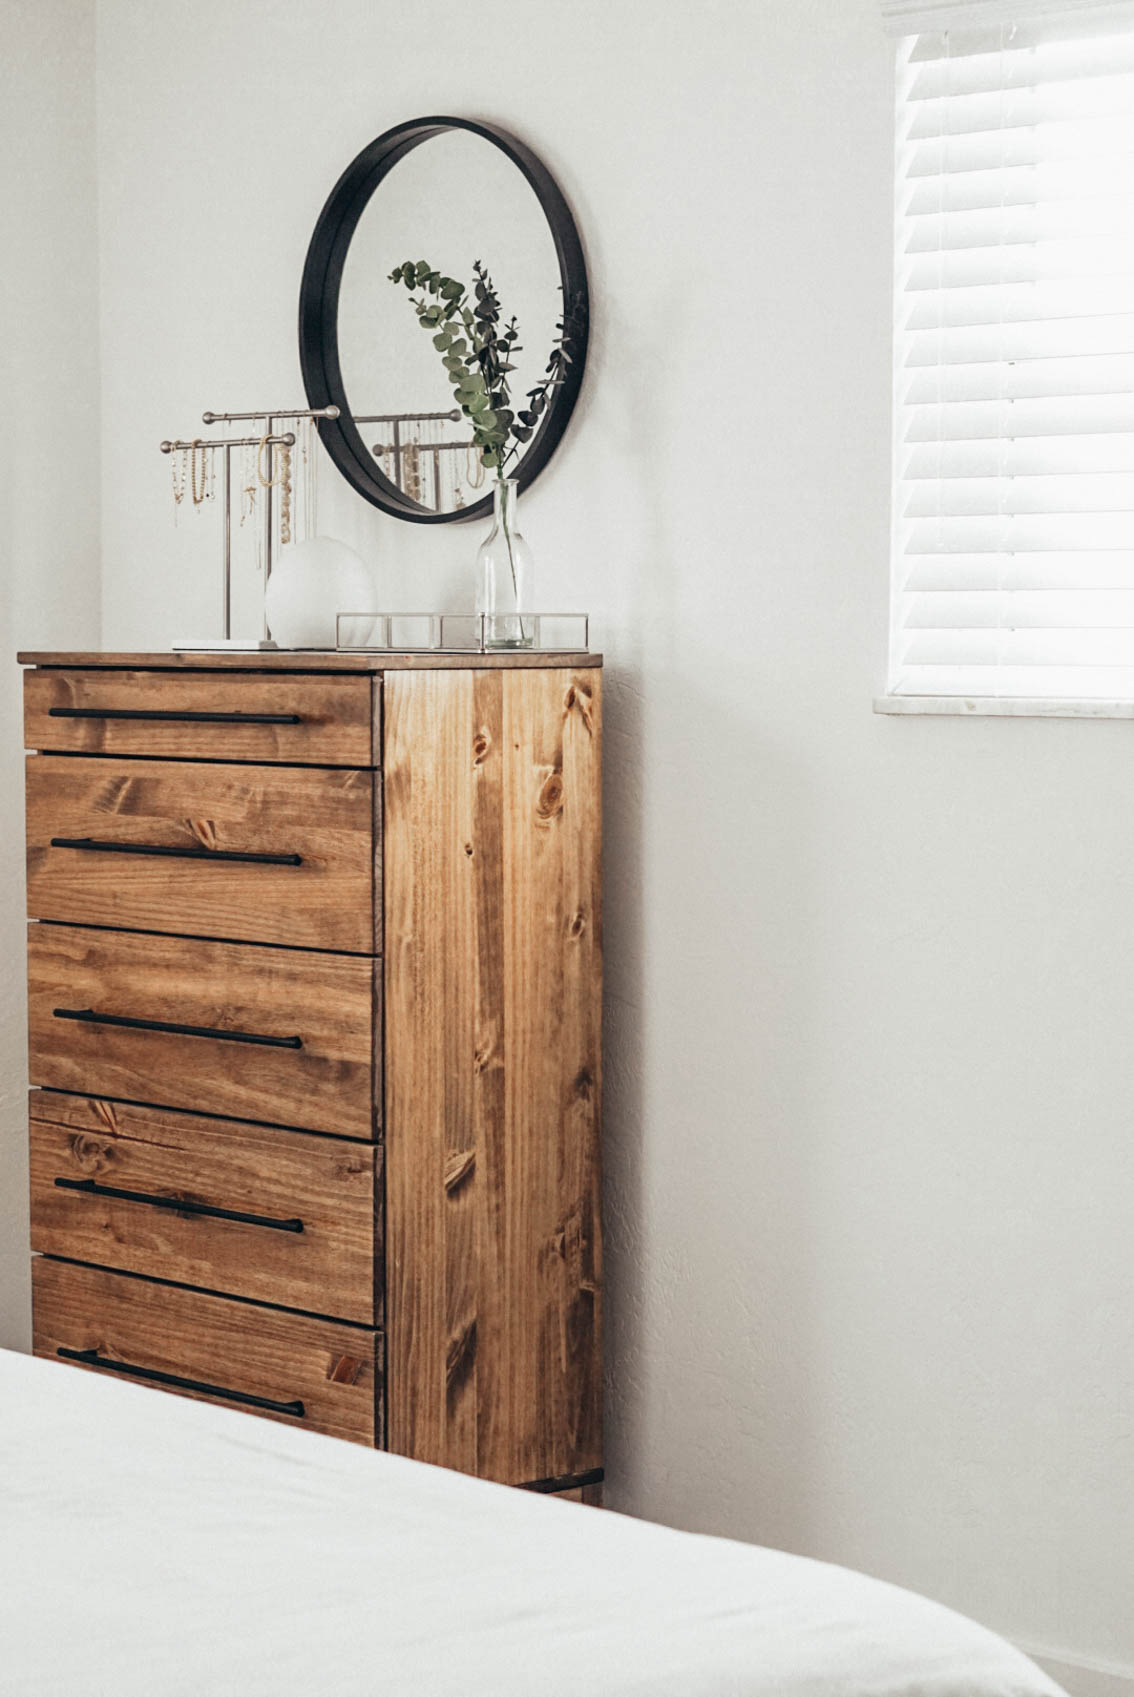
x,y
477,354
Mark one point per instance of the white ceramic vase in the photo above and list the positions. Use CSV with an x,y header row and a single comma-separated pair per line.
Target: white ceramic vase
x,y
311,583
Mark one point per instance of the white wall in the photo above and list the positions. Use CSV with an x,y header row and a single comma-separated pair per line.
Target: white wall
x,y
49,495
870,981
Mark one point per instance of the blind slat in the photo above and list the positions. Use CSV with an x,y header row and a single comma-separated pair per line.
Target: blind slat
x,y
963,573
1064,417
1097,683
1031,456
1034,533
1047,261
1020,185
1008,497
1020,303
1012,61
991,609
1095,136
1007,647
977,345
1022,108
1099,216
1088,376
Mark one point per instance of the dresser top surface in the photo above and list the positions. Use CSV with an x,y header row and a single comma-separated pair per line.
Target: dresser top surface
x,y
309,660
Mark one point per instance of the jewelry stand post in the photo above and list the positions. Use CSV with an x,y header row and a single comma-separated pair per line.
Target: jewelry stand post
x,y
226,445
269,421
270,440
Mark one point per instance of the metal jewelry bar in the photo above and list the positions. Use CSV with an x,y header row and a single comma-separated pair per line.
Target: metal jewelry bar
x,y
276,412
96,845
88,1016
230,442
90,1187
174,718
92,1358
430,448
453,416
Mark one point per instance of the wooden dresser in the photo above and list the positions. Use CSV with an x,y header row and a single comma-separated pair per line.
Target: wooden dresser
x,y
315,1015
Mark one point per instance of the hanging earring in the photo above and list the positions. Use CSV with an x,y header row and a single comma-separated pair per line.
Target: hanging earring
x,y
178,470
247,484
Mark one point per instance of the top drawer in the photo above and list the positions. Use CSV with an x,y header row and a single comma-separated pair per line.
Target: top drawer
x,y
303,718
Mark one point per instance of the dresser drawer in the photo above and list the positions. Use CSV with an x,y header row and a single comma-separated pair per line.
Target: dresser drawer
x,y
277,1216
288,1036
301,717
310,1373
215,850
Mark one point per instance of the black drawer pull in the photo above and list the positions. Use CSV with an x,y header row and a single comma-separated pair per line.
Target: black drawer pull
x,y
97,845
89,1187
174,718
89,1016
92,1358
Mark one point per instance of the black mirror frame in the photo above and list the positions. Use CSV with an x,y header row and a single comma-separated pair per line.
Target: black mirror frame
x,y
319,308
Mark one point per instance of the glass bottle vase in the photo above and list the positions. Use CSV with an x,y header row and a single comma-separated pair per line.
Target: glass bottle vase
x,y
504,575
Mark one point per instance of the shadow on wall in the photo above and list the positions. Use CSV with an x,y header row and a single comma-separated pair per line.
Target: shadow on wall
x,y
708,1163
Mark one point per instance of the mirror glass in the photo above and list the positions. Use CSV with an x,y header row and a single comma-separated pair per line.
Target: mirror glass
x,y
454,200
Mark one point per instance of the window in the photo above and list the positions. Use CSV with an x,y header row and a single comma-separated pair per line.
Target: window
x,y
1013,529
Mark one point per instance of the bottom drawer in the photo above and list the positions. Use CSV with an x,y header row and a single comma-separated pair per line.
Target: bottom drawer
x,y
310,1373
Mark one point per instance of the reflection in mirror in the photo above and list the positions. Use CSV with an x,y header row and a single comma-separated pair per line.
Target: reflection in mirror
x,y
455,200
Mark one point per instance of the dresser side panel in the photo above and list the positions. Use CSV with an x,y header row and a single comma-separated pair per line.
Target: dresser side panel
x,y
493,1029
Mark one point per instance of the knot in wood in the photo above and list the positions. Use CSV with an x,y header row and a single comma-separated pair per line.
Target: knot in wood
x,y
550,797
205,832
482,743
90,1151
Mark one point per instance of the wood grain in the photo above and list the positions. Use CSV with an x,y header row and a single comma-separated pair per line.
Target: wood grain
x,y
334,1370
316,660
334,714
493,981
331,1002
325,817
329,1185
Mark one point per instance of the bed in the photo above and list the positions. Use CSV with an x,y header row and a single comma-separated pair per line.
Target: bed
x,y
152,1545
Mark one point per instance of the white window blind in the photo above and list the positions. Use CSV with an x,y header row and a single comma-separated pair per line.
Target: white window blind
x,y
1013,535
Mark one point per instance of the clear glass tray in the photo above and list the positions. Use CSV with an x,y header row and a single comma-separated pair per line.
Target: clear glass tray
x,y
462,633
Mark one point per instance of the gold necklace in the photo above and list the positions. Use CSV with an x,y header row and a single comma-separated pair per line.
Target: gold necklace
x,y
265,482
200,449
285,493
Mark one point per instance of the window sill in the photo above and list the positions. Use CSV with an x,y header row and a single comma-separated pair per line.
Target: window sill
x,y
1003,707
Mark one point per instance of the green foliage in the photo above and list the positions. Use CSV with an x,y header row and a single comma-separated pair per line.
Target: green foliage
x,y
478,356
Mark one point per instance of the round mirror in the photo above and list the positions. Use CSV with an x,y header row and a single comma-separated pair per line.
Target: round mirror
x,y
444,312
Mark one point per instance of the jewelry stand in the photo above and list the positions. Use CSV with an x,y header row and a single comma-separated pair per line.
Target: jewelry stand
x,y
270,440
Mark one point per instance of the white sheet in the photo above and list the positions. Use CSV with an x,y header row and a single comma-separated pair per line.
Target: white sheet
x,y
151,1546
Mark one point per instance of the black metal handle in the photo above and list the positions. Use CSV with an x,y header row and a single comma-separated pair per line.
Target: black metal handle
x,y
199,852
90,1187
89,1016
174,718
92,1358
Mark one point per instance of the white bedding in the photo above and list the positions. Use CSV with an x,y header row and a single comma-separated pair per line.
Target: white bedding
x,y
151,1546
